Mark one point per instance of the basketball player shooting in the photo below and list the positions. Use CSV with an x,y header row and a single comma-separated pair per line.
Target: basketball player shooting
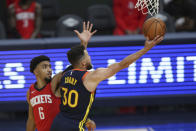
x,y
41,96
77,86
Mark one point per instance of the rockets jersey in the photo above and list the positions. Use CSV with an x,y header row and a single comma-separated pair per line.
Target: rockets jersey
x,y
45,106
76,100
25,20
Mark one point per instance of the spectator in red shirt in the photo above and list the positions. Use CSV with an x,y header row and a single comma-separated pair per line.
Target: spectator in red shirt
x,y
25,19
128,19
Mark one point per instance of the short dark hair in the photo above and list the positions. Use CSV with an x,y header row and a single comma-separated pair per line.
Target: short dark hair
x,y
70,67
36,60
75,54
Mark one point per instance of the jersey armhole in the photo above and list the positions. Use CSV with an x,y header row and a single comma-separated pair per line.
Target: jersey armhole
x,y
83,79
29,92
84,75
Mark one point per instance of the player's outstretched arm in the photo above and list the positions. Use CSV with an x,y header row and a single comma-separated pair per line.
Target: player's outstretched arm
x,y
100,74
86,34
30,125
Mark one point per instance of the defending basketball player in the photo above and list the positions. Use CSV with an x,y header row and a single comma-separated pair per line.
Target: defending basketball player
x,y
78,85
43,103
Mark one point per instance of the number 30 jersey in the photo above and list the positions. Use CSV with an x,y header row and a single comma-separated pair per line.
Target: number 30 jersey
x,y
76,100
45,106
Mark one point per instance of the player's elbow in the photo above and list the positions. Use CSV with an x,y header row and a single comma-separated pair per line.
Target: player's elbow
x,y
123,65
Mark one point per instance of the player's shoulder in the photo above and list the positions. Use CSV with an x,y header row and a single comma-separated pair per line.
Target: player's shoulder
x,y
95,73
97,70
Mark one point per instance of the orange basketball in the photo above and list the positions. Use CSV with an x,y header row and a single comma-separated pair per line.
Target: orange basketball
x,y
153,27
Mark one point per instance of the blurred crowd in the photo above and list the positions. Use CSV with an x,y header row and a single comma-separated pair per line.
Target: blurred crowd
x,y
28,19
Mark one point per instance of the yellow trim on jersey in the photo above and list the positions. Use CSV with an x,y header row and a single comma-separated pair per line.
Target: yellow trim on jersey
x,y
86,114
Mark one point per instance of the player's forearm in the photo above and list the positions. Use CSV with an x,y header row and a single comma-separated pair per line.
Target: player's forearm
x,y
84,44
30,126
35,33
132,58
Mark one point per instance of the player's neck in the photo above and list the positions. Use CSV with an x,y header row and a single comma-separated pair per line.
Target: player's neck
x,y
41,83
25,5
79,67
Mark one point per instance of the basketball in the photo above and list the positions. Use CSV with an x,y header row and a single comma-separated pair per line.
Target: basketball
x,y
153,27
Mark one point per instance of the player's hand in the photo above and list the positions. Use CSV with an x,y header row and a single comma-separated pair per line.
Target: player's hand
x,y
90,125
86,34
151,43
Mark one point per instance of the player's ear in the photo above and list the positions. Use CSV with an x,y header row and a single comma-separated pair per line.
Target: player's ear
x,y
83,63
35,72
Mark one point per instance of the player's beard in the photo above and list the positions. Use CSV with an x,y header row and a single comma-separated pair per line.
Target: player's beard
x,y
48,79
89,66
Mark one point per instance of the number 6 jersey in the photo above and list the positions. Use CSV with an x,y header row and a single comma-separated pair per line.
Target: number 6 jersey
x,y
76,100
45,106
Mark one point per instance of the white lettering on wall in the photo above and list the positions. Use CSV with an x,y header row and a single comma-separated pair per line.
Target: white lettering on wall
x,y
13,75
164,67
180,69
58,66
193,58
132,73
113,80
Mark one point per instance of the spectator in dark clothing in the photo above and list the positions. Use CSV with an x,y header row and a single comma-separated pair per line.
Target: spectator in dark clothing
x,y
183,12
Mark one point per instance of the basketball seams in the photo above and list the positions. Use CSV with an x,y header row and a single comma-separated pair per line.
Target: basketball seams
x,y
155,34
149,27
163,29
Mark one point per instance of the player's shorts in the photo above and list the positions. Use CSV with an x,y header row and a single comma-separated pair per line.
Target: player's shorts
x,y
62,123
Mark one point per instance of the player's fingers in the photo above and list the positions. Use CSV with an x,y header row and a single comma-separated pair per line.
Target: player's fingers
x,y
77,32
84,26
94,32
147,38
88,23
91,26
159,39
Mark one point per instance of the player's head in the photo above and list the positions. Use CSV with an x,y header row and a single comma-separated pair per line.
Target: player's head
x,y
41,67
79,57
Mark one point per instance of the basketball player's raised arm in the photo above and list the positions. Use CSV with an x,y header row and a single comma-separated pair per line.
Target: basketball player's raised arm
x,y
30,125
84,37
86,34
100,74
38,20
55,84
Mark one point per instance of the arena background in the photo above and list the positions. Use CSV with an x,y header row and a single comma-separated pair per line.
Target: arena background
x,y
128,101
